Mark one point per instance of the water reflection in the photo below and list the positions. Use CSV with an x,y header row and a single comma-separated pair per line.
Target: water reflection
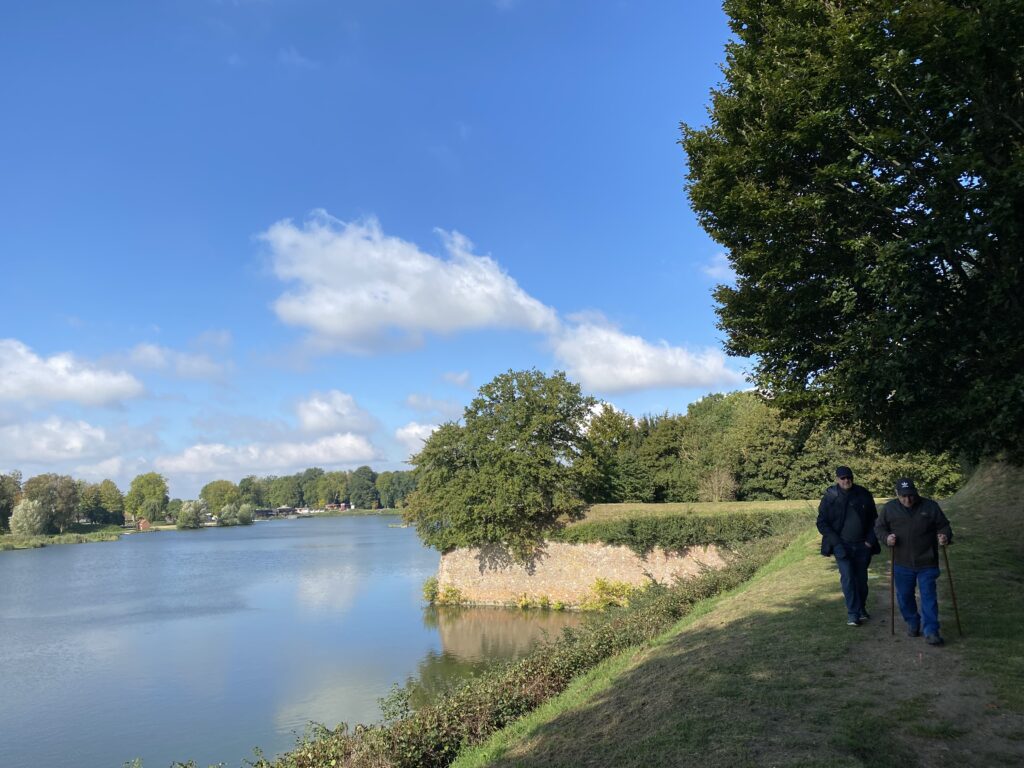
x,y
473,638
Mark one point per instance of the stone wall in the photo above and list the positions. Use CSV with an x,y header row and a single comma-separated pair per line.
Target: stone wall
x,y
564,572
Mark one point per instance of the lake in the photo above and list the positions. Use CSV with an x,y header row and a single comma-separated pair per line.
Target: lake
x,y
204,644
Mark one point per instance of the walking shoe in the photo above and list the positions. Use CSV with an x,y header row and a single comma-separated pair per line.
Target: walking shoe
x,y
864,616
913,631
853,622
934,640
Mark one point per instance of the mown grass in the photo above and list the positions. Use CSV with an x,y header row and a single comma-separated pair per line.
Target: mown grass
x,y
79,534
770,675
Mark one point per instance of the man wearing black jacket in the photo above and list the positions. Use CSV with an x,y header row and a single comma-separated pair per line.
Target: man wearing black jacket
x,y
915,527
846,521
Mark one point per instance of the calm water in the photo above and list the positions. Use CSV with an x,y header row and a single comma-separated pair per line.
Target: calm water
x,y
204,644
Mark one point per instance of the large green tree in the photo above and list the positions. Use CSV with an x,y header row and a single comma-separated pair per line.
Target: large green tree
x,y
57,496
507,474
112,500
218,493
864,169
362,489
147,497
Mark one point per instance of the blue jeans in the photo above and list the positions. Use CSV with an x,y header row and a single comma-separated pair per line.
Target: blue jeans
x,y
924,579
853,578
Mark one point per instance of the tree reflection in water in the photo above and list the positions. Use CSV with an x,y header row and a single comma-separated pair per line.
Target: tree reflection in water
x,y
474,638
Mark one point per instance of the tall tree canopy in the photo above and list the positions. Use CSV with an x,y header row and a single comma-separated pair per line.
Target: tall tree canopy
x,y
506,474
864,169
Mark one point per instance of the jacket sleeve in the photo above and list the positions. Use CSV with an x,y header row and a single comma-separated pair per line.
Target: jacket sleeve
x,y
942,524
872,538
829,534
882,528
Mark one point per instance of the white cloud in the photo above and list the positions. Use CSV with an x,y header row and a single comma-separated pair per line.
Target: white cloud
x,y
446,409
718,268
413,435
458,378
184,365
268,458
603,358
333,411
356,288
25,376
52,440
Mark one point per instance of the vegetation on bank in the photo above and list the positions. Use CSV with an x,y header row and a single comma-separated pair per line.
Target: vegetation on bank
x,y
756,672
76,534
434,734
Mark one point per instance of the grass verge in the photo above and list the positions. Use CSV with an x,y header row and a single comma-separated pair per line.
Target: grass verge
x,y
770,675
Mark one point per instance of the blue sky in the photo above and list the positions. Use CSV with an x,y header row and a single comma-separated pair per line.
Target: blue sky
x,y
255,236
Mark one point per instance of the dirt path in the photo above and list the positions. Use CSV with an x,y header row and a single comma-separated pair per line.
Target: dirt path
x,y
953,717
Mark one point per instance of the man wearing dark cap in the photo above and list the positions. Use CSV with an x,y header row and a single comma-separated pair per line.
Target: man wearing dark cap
x,y
915,527
846,520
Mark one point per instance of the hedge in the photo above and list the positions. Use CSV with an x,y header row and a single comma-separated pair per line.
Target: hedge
x,y
675,532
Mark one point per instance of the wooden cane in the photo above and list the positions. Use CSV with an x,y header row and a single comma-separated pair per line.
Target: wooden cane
x,y
892,591
952,590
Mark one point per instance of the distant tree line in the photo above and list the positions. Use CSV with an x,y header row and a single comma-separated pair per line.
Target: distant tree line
x,y
51,503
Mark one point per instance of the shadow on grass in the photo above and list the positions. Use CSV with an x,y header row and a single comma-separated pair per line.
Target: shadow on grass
x,y
769,687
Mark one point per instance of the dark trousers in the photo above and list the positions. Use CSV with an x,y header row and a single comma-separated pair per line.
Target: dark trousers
x,y
853,578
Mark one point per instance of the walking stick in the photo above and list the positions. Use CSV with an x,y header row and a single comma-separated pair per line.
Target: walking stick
x,y
892,591
952,590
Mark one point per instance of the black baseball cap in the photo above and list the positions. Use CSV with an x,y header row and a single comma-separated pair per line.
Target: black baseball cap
x,y
844,472
905,487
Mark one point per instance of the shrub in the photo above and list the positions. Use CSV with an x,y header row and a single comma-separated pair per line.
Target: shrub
x,y
191,514
28,519
245,514
430,592
609,594
449,596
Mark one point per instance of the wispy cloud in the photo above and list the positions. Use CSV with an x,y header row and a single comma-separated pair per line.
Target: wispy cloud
x,y
291,58
446,409
718,268
30,378
184,365
458,378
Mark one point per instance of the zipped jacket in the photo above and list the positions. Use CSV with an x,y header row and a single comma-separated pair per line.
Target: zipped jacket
x,y
833,509
917,531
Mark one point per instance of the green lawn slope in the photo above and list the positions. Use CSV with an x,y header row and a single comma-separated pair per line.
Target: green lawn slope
x,y
769,675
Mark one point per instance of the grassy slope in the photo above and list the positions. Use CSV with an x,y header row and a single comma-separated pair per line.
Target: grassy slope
x,y
770,675
604,512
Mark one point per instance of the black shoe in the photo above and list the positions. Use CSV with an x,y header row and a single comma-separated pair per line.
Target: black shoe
x,y
865,616
913,632
853,622
934,640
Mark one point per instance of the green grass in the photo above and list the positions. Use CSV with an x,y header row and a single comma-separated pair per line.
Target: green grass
x,y
78,534
607,512
770,675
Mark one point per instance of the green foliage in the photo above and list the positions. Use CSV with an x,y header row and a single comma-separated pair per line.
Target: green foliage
x,y
58,498
245,513
228,515
332,488
864,169
191,514
147,497
449,595
29,518
433,735
506,476
605,594
361,489
10,491
285,492
254,490
676,532
219,493
430,591
112,501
